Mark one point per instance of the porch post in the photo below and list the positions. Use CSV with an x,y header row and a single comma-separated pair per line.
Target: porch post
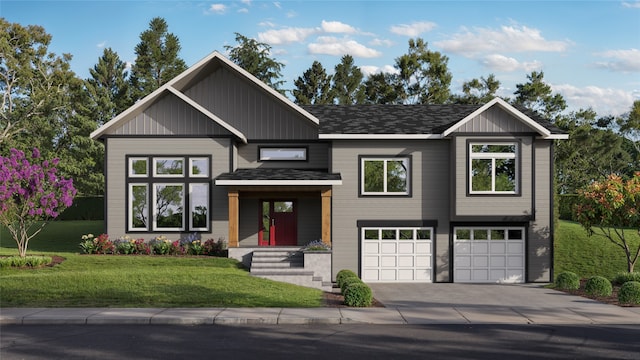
x,y
326,216
234,214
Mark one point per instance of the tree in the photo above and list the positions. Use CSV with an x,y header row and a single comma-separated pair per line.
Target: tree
x,y
611,209
383,88
31,192
108,87
314,86
630,126
347,82
538,96
478,91
424,74
255,57
157,59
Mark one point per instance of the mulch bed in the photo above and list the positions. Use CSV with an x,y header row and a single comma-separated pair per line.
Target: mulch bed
x,y
337,300
613,299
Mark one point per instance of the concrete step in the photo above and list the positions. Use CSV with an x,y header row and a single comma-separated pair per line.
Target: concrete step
x,y
302,280
276,265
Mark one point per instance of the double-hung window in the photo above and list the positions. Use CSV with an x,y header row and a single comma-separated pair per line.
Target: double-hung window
x,y
385,175
168,193
493,168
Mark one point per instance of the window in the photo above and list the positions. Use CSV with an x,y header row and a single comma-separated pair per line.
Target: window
x,y
282,154
493,168
170,197
384,176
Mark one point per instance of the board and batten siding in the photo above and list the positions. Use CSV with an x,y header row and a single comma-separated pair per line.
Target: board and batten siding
x,y
317,156
169,115
248,108
540,240
493,205
118,148
429,197
494,120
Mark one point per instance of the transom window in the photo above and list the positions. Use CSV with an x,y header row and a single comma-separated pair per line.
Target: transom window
x,y
168,193
385,176
283,153
493,168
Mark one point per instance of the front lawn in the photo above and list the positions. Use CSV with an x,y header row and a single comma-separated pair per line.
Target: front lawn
x,y
57,236
589,256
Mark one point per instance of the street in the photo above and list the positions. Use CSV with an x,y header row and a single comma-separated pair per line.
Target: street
x,y
360,341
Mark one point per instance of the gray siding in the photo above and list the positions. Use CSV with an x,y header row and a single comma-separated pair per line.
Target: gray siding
x,y
169,115
249,108
429,200
118,148
494,120
490,205
540,242
317,155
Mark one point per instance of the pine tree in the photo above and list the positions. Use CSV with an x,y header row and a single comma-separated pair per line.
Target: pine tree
x,y
314,86
347,82
255,58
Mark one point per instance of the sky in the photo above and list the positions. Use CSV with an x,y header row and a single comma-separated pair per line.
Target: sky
x,y
589,51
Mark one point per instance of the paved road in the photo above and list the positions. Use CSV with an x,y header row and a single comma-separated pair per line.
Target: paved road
x,y
319,342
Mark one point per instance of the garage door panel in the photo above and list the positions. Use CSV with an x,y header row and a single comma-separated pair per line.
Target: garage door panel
x,y
485,254
370,275
423,247
406,261
388,261
371,248
405,248
372,261
423,261
406,274
389,248
388,274
423,274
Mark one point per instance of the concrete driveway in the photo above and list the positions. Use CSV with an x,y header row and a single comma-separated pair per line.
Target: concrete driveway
x,y
492,303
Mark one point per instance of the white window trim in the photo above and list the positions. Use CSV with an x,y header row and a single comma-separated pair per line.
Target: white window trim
x,y
493,157
130,208
130,165
208,219
204,175
385,160
155,208
155,168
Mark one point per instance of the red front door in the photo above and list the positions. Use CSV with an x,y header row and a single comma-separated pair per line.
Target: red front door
x,y
278,226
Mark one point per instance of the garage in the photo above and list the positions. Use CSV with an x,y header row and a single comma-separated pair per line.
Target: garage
x,y
489,255
402,254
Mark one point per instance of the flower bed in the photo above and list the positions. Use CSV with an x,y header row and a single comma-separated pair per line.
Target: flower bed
x,y
160,245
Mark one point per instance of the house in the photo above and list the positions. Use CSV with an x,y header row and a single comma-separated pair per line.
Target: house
x,y
402,193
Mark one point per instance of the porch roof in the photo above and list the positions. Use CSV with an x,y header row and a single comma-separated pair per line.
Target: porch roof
x,y
267,176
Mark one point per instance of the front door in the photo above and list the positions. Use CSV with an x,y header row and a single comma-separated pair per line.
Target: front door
x,y
278,226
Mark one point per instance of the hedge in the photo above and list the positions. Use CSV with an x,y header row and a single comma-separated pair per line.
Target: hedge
x,y
85,208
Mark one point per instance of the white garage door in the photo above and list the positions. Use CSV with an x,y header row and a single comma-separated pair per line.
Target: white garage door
x,y
396,254
488,254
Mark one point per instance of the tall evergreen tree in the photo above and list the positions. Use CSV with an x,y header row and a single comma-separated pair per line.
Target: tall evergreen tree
x,y
108,87
424,75
478,91
157,59
255,57
314,86
383,88
538,96
347,82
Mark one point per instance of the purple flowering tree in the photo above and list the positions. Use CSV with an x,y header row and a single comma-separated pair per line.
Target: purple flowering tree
x,y
31,192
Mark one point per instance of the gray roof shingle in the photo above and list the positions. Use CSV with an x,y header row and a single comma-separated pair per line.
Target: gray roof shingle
x,y
278,174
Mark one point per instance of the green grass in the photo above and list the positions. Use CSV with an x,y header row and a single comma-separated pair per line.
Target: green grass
x,y
135,281
589,255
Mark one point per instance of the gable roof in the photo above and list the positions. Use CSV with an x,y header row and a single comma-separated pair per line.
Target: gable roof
x,y
414,121
181,82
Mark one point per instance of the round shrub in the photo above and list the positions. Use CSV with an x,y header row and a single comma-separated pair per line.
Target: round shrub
x,y
598,286
348,281
343,274
567,280
624,277
629,293
358,295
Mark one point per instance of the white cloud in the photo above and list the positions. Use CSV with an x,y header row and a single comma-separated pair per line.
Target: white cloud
x,y
291,14
368,70
329,45
623,60
514,38
381,42
605,101
337,27
267,24
246,2
101,45
285,36
414,29
633,5
277,4
499,62
243,10
218,8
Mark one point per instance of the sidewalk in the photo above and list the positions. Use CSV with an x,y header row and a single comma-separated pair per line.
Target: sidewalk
x,y
482,314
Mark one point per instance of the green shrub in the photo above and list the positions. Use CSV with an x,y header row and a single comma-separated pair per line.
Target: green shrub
x,y
348,281
27,261
343,274
623,277
567,280
358,294
598,286
629,293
